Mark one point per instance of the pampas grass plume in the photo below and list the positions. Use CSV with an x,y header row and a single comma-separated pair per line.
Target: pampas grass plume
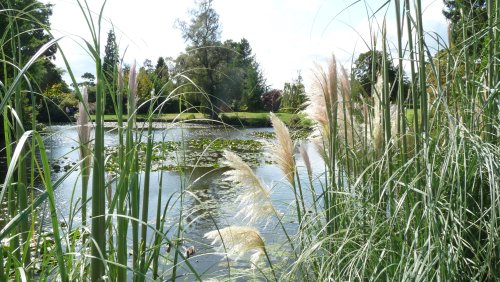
x,y
378,138
284,149
305,158
255,201
83,122
132,86
235,241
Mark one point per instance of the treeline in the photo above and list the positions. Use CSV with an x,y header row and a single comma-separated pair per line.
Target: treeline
x,y
24,23
209,76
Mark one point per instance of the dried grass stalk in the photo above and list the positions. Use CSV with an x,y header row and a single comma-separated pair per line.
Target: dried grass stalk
x,y
329,105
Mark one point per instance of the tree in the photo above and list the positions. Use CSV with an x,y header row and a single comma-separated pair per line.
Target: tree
x,y
226,72
202,34
293,97
51,75
362,72
109,64
271,100
469,18
25,22
89,79
90,84
162,76
144,87
254,85
23,25
242,82
58,105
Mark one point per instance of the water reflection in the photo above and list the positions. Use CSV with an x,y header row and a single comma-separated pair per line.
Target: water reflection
x,y
207,200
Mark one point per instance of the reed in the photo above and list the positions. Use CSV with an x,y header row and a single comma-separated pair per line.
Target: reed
x,y
394,209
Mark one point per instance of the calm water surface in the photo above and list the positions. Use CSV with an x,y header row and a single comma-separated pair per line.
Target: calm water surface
x,y
210,199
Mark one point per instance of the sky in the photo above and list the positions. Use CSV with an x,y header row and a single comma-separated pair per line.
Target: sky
x,y
286,36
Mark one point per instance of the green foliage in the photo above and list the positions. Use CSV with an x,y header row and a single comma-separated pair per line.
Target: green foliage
x,y
468,18
55,104
294,96
161,77
246,119
365,72
109,64
254,85
89,79
22,23
226,74
111,56
145,86
202,34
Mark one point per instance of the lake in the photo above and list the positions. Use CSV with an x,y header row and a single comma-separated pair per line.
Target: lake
x,y
208,201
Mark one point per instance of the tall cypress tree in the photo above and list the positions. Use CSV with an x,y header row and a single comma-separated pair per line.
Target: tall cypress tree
x,y
109,64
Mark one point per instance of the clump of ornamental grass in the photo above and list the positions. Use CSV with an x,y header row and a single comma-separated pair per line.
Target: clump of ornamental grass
x,y
329,106
236,241
255,205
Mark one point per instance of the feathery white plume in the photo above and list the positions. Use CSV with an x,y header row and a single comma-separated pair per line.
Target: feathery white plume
x,y
284,149
329,103
255,201
84,128
305,158
132,86
235,241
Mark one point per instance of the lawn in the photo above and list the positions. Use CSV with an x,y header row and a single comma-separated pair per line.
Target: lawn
x,y
232,118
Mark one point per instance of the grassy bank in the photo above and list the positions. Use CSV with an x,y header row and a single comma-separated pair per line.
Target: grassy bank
x,y
263,119
156,117
228,118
